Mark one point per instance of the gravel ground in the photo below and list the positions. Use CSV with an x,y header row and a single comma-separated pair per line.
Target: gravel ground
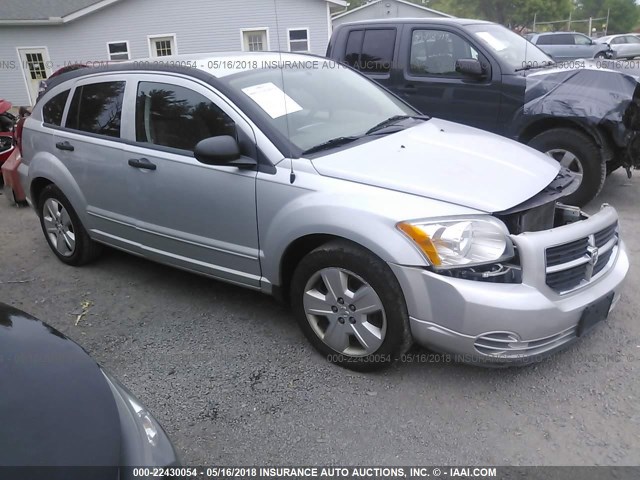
x,y
234,382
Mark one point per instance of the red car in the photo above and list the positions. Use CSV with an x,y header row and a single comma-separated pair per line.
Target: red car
x,y
10,158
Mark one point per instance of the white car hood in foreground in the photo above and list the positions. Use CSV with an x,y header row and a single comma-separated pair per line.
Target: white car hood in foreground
x,y
446,161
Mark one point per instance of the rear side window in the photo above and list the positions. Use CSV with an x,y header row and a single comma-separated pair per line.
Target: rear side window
x,y
97,108
52,110
177,117
371,51
564,39
544,40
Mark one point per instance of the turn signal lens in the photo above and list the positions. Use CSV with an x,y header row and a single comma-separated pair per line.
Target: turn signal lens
x,y
422,240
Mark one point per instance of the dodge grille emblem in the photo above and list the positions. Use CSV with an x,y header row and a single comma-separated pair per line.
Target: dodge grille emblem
x,y
592,252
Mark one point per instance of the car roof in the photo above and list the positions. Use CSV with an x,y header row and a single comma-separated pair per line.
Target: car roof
x,y
432,20
218,64
559,33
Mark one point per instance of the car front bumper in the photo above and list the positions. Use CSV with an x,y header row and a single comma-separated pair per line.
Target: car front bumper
x,y
489,323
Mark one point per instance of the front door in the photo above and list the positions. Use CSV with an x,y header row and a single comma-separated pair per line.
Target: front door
x,y
431,84
36,67
191,215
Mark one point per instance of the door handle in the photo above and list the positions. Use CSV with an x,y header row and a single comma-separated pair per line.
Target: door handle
x,y
65,146
142,163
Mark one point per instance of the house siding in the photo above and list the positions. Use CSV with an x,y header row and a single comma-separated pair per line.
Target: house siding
x,y
380,10
199,25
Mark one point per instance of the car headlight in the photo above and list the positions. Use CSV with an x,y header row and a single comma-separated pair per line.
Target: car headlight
x,y
464,242
144,442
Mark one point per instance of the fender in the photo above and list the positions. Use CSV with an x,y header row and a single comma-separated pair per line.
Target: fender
x,y
363,214
48,166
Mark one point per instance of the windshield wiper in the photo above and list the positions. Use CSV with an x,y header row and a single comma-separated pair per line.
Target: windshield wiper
x,y
396,118
533,67
334,142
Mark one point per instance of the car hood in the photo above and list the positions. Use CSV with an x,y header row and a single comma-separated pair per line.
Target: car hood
x,y
56,408
446,161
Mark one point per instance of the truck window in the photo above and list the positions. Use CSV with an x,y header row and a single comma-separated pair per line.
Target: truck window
x,y
434,52
371,51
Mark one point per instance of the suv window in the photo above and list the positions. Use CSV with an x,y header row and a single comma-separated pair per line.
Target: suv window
x,y
176,117
52,110
582,40
434,52
545,40
372,50
97,108
563,39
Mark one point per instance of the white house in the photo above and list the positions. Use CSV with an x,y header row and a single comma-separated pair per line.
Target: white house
x,y
378,9
37,38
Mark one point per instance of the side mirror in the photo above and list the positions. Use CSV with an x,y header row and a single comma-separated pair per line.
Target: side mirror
x,y
469,66
222,150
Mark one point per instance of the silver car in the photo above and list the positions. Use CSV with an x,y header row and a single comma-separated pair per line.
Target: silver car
x,y
625,46
298,177
569,46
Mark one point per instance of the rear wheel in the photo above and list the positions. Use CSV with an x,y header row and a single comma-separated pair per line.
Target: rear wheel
x,y
579,153
350,307
62,229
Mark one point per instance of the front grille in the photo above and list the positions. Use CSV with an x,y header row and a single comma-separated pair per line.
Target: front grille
x,y
508,345
576,263
567,252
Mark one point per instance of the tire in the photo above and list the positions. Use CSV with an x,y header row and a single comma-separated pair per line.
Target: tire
x,y
586,159
365,340
63,230
600,55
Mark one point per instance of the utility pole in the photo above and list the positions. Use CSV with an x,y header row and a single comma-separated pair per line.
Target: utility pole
x,y
569,24
606,26
590,23
535,16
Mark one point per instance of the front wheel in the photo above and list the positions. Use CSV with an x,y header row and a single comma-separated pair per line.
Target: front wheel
x,y
579,153
350,306
600,55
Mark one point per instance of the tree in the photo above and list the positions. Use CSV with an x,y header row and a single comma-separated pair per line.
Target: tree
x,y
512,13
623,14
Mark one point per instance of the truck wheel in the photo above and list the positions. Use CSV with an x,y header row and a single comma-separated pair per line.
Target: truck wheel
x,y
62,229
350,306
579,153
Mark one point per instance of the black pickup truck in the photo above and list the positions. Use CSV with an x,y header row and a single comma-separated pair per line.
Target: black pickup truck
x,y
582,113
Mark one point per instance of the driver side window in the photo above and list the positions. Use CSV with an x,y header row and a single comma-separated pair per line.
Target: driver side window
x,y
173,116
434,52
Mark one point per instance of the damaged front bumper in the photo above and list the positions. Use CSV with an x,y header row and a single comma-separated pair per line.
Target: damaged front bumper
x,y
502,323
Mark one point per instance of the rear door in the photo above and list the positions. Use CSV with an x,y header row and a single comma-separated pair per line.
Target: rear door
x,y
189,214
90,147
372,51
429,80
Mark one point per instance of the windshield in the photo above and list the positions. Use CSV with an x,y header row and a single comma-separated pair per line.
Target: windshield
x,y
509,46
316,101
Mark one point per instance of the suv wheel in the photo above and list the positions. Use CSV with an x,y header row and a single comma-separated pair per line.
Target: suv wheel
x,y
580,154
350,307
62,228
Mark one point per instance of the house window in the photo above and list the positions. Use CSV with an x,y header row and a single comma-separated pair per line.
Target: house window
x,y
163,45
254,40
299,40
118,50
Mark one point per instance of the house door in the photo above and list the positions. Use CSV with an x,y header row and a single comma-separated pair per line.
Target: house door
x,y
36,67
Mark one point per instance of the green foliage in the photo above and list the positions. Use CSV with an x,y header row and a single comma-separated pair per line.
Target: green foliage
x,y
624,14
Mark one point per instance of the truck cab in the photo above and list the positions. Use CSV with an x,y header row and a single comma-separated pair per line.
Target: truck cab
x,y
483,75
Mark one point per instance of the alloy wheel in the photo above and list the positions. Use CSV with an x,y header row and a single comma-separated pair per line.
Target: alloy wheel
x,y
59,227
345,312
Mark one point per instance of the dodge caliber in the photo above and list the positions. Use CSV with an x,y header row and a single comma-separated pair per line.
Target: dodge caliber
x,y
298,177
